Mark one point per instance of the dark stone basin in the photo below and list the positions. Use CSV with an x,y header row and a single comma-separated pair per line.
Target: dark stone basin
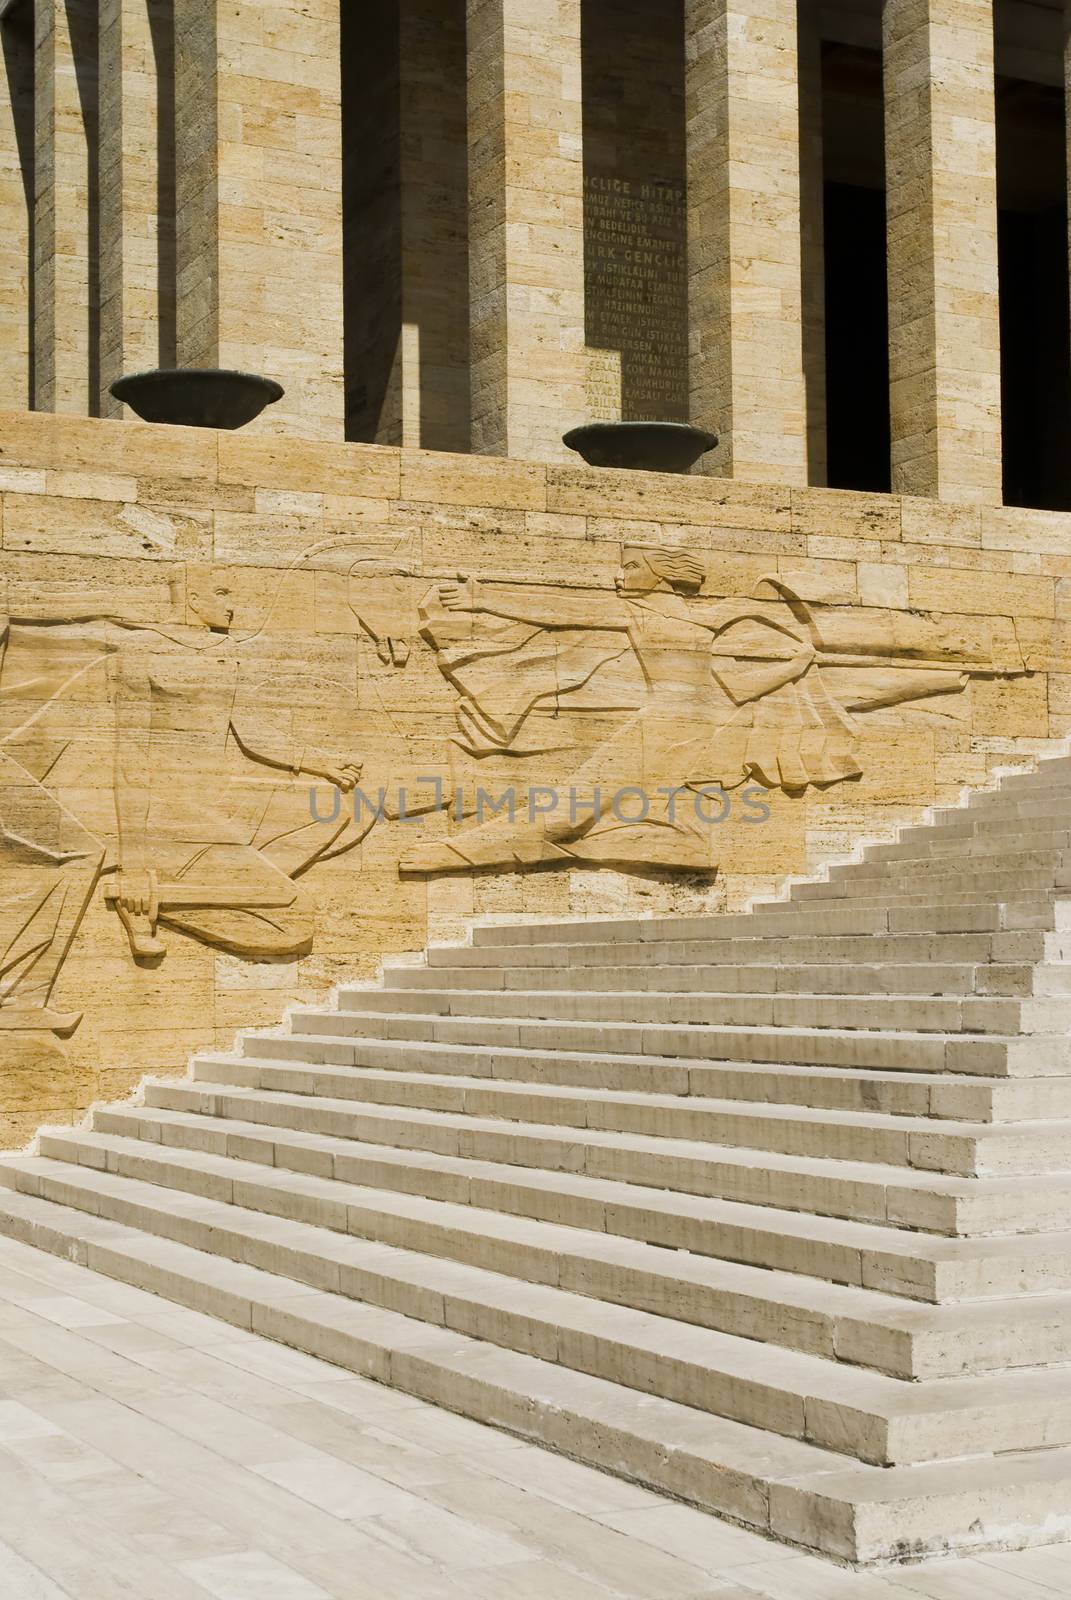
x,y
197,397
642,446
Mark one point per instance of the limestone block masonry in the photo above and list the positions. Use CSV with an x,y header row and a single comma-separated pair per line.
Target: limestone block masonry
x,y
770,1211
237,672
258,210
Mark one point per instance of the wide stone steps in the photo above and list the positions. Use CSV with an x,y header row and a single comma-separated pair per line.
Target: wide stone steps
x,y
1006,854
856,978
984,1055
873,1417
976,1099
885,1250
852,1189
966,881
965,1148
785,1487
986,844
988,1014
1041,914
982,844
1025,806
1023,822
926,884
770,1209
853,1324
1049,777
670,955
895,901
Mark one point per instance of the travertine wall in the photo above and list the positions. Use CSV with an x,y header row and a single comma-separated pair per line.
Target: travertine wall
x,y
744,255
944,320
258,154
192,617
526,226
66,166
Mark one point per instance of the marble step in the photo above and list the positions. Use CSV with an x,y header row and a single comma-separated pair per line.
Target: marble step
x,y
944,916
769,977
922,1094
1014,789
1005,861
748,950
882,1050
996,806
914,1013
852,1189
1040,816
965,1149
897,899
1045,780
848,1323
873,1418
966,880
886,1250
800,1493
920,845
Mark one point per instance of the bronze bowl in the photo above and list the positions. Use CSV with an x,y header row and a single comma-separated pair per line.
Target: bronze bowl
x,y
197,397
641,446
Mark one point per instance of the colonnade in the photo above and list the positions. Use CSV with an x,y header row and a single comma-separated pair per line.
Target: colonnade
x,y
254,251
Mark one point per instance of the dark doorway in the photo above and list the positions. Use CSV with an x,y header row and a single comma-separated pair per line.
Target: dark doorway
x,y
405,223
162,26
371,216
856,279
1035,320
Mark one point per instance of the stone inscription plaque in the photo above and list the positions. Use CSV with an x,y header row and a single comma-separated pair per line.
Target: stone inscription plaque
x,y
635,241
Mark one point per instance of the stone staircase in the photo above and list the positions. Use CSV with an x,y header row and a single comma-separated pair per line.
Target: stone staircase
x,y
769,1211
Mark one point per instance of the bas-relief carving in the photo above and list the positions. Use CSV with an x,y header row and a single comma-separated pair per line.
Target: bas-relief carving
x,y
205,827
142,757
762,690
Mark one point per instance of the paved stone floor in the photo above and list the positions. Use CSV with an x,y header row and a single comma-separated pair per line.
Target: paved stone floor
x,y
151,1453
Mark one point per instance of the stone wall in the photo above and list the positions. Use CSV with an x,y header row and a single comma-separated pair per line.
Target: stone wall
x,y
201,628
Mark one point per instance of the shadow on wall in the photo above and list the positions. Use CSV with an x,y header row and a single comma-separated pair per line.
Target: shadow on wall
x,y
16,35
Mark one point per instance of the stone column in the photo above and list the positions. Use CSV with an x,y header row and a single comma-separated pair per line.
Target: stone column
x,y
66,264
130,223
745,296
16,207
526,226
944,332
259,201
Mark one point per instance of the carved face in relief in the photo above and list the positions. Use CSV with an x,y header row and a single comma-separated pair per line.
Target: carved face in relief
x,y
643,570
209,598
636,576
